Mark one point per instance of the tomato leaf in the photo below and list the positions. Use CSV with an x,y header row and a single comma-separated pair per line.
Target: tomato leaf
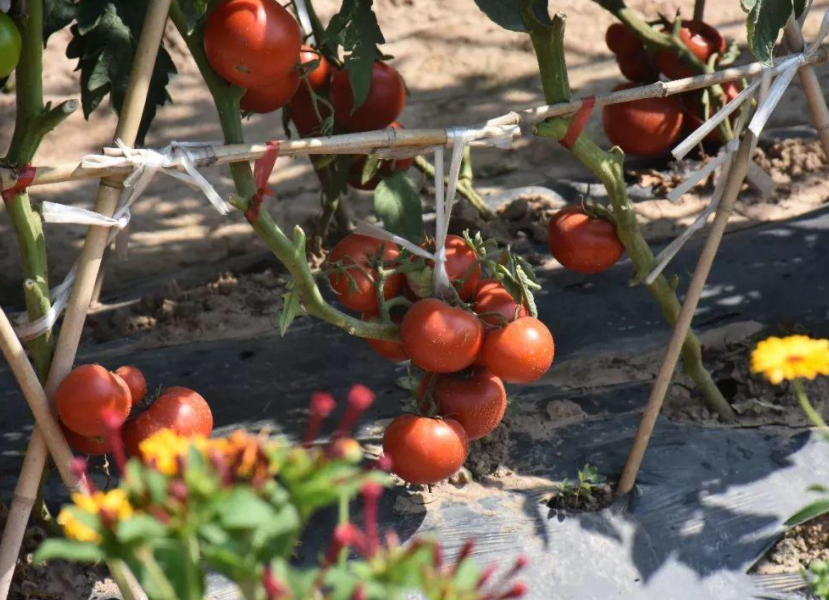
x,y
58,549
104,42
289,312
397,204
507,13
193,11
812,511
766,18
57,14
526,283
370,168
355,27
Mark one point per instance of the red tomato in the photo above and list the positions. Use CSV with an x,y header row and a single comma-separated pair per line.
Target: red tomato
x,y
581,243
177,408
521,352
93,446
384,103
355,290
387,168
251,42
492,297
394,351
702,40
84,395
303,115
423,450
273,96
135,381
694,110
440,338
647,127
462,265
318,78
621,40
637,66
476,400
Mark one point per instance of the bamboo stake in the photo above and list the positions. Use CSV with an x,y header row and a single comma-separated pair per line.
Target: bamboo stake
x,y
736,175
811,86
109,193
359,143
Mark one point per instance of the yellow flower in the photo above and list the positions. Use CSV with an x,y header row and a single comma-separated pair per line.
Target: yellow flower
x,y
112,506
163,449
791,357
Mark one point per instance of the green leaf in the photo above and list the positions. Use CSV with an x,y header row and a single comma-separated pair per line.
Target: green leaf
x,y
397,204
243,509
814,510
56,549
104,42
507,13
139,528
289,312
370,168
766,18
57,14
193,11
180,569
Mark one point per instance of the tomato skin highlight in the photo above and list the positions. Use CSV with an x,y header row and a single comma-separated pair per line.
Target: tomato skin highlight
x,y
476,400
178,408
86,393
10,42
354,288
394,351
424,450
135,382
440,338
384,103
273,96
319,77
647,127
251,42
582,243
493,297
521,352
92,446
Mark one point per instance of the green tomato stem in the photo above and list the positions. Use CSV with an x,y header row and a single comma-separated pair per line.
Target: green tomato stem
x,y
464,187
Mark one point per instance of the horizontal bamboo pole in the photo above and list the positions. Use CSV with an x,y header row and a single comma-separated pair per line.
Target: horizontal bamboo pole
x,y
368,142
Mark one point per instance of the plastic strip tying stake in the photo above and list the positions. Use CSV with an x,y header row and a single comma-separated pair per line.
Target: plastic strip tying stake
x,y
262,169
578,123
25,177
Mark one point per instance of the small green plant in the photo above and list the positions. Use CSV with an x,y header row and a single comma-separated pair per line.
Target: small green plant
x,y
589,478
817,576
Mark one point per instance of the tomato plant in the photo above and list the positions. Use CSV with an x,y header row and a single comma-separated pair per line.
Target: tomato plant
x,y
582,242
87,394
180,409
476,399
646,127
9,45
383,104
521,352
251,42
135,382
425,450
354,273
702,40
440,338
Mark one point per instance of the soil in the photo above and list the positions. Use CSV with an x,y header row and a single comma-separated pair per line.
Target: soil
x,y
598,498
797,548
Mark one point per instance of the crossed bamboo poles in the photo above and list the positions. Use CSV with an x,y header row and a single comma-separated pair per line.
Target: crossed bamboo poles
x,y
48,438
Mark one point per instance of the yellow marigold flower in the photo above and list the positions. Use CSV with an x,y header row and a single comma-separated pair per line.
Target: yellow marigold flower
x,y
113,506
163,448
791,357
74,529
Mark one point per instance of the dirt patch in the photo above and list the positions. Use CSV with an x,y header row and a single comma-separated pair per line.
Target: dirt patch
x,y
599,498
489,452
231,305
797,548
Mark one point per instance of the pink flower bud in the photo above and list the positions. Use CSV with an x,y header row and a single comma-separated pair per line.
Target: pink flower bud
x,y
274,588
345,536
518,590
466,551
371,498
322,405
178,490
359,593
81,470
486,575
359,399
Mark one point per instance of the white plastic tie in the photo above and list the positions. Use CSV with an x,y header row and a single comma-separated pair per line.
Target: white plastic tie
x,y
53,212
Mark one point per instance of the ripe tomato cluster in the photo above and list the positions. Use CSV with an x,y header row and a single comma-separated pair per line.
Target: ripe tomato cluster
x,y
467,347
92,402
651,126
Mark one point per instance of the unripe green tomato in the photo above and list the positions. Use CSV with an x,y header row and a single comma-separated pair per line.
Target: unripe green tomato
x,y
9,45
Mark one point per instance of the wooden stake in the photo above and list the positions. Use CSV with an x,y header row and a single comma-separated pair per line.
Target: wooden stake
x,y
736,175
811,86
367,142
66,349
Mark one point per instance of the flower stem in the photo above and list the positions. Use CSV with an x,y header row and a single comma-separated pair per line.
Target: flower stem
x,y
803,399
